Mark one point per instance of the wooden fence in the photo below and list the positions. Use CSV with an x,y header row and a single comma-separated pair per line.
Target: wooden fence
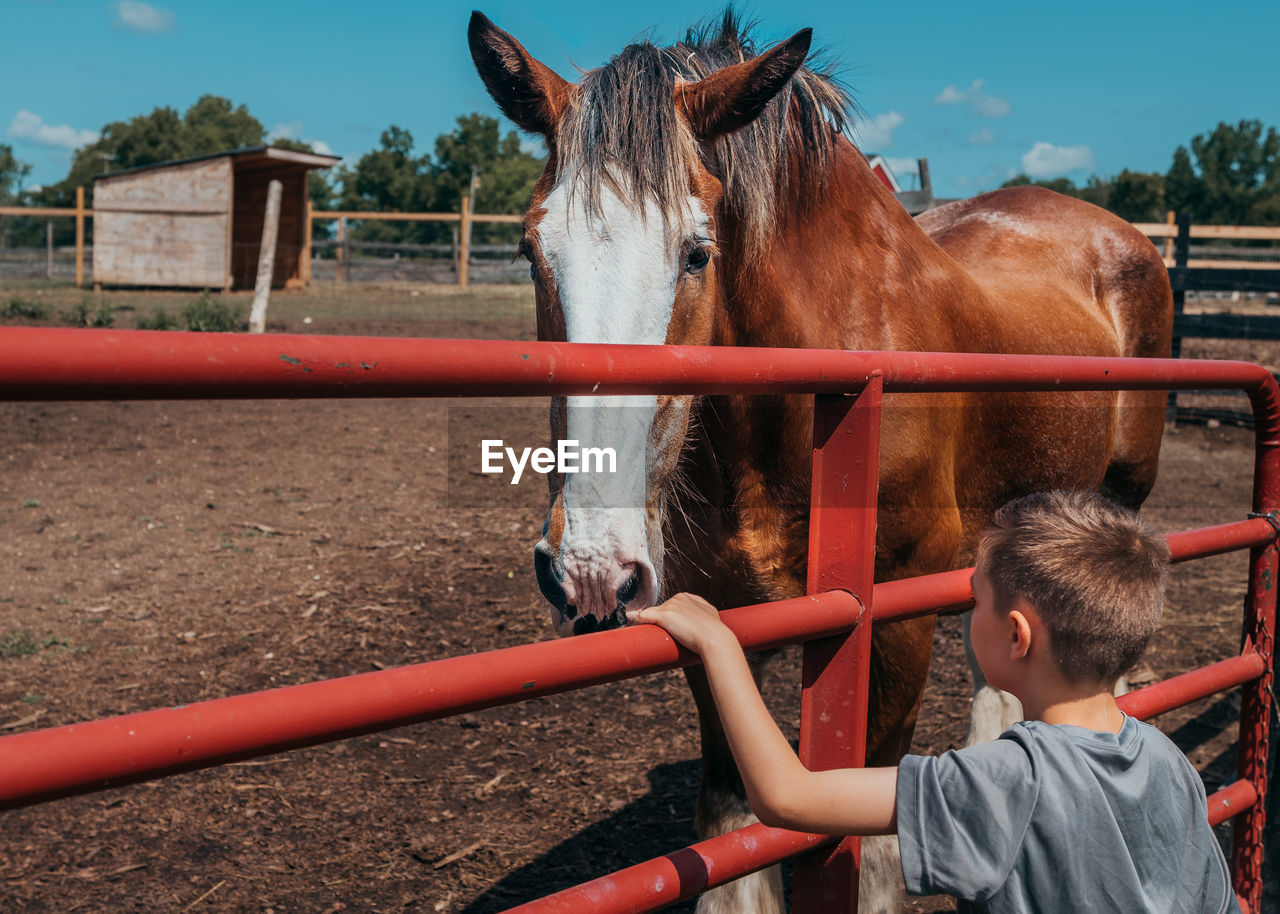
x,y
1176,233
464,218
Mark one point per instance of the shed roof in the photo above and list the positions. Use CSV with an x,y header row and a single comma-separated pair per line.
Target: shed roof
x,y
251,159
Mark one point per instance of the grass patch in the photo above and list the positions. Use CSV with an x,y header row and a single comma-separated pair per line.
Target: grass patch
x,y
207,314
324,302
84,314
159,320
25,308
21,643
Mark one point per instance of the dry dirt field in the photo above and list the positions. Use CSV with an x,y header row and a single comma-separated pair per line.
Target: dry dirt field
x,y
154,554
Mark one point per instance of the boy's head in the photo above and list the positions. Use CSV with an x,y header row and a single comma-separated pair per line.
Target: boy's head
x,y
1093,571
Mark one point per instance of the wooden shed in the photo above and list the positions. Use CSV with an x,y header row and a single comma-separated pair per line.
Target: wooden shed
x,y
198,222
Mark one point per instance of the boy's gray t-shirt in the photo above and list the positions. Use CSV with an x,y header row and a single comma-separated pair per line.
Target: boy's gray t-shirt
x,y
1061,818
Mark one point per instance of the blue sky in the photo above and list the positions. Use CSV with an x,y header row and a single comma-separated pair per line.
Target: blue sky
x,y
984,90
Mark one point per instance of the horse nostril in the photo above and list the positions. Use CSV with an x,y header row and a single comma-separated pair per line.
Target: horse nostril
x,y
627,592
549,583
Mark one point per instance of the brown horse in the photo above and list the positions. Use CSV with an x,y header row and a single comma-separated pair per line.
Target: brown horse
x,y
706,194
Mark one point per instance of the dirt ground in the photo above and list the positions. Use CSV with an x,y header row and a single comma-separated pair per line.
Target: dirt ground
x,y
154,554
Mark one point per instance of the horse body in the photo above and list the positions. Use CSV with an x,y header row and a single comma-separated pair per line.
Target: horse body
x,y
671,212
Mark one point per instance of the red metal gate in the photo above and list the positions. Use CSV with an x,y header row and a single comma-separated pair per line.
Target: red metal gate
x,y
834,620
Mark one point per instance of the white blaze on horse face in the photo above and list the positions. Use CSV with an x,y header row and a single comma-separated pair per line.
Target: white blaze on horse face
x,y
616,273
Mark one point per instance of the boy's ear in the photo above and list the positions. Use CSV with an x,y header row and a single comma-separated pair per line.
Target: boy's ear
x,y
1020,634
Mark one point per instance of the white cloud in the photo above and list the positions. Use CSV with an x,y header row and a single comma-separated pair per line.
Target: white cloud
x,y
903,169
975,97
29,126
1048,161
143,17
877,133
983,137
289,131
293,130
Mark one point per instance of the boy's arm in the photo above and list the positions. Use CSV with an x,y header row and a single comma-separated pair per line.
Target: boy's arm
x,y
782,792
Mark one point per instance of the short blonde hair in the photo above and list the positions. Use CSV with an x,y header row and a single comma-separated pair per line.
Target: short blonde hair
x,y
1093,571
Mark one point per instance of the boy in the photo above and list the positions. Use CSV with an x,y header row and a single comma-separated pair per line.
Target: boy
x,y
1078,807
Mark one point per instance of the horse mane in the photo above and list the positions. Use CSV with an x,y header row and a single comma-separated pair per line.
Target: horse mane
x,y
622,131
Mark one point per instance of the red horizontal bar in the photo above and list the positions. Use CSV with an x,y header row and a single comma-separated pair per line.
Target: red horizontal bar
x,y
39,363
1206,541
680,875
1188,687
1230,801
80,758
949,591
96,755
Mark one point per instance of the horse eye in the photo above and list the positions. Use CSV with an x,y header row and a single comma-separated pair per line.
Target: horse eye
x,y
697,259
522,250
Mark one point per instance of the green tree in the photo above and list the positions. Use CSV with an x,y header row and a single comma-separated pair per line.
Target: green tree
x,y
1183,190
211,124
391,178
1133,196
12,171
1230,177
1059,185
475,159
1138,196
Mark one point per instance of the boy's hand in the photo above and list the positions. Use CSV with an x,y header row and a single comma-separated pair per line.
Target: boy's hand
x,y
689,619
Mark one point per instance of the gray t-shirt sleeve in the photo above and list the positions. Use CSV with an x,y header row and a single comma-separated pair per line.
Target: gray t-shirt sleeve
x,y
962,817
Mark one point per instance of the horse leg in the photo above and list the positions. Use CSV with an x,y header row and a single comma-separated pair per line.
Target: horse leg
x,y
1131,471
722,807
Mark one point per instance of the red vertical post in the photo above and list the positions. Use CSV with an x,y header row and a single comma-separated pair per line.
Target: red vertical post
x,y
1257,696
833,703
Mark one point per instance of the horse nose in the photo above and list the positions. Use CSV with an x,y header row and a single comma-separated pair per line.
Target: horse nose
x,y
637,590
550,581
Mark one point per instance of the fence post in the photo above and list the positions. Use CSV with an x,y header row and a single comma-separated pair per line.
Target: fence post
x,y
266,258
464,253
80,237
1256,740
48,249
338,249
1178,282
842,537
307,226
346,255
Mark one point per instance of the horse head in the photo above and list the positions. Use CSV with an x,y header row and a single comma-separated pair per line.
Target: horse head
x,y
621,237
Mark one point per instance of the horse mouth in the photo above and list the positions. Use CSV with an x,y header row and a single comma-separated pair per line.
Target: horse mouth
x,y
567,616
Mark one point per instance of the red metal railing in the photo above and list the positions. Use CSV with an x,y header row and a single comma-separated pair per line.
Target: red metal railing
x,y
44,364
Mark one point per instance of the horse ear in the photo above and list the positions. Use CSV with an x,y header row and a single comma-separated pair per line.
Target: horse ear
x,y
529,92
734,96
